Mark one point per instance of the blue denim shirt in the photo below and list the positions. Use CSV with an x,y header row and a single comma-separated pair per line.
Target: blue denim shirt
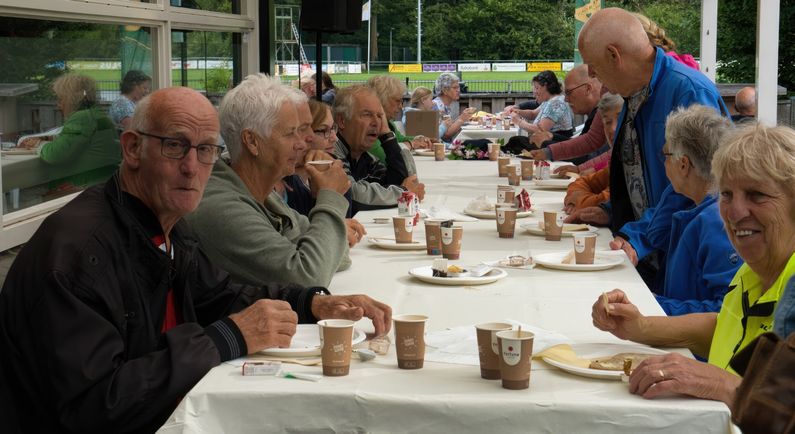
x,y
784,318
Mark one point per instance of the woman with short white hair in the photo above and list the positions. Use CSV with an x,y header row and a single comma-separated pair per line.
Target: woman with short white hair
x,y
448,90
244,226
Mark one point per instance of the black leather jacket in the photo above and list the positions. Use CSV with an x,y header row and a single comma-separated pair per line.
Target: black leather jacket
x,y
81,347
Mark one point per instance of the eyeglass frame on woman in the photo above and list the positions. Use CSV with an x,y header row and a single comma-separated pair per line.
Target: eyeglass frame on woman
x,y
184,147
326,132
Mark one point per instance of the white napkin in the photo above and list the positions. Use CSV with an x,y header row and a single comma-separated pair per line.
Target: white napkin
x,y
459,345
443,213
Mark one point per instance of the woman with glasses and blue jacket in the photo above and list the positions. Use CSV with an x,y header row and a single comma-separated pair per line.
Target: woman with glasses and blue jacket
x,y
754,169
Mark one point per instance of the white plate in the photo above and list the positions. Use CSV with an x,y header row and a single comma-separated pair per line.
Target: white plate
x,y
472,127
532,227
391,244
553,184
593,351
601,261
492,215
426,275
306,342
428,152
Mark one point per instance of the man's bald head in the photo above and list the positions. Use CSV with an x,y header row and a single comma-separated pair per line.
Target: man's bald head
x,y
578,74
617,50
153,110
745,101
582,91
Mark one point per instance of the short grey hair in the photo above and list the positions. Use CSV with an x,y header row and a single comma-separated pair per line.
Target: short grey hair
x,y
696,132
445,81
609,102
254,104
757,152
386,87
346,98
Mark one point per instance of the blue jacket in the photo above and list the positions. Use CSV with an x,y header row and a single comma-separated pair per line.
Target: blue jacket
x,y
784,318
672,85
700,261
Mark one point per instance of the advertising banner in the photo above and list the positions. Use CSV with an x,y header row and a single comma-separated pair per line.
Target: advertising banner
x,y
543,66
405,67
483,67
438,67
508,67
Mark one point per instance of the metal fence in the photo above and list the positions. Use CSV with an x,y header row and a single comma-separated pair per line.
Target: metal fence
x,y
467,86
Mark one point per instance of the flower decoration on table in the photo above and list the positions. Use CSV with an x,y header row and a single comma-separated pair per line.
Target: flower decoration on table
x,y
467,151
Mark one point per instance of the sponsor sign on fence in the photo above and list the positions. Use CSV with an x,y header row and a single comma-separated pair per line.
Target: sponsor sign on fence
x,y
543,66
405,67
438,67
484,67
508,67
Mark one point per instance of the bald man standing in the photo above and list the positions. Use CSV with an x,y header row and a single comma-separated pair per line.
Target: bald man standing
x,y
745,104
617,51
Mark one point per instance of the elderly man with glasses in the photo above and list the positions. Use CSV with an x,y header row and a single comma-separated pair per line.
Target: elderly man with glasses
x,y
109,315
583,94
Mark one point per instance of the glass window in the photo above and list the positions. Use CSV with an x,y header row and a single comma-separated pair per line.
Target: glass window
x,y
205,61
65,85
227,6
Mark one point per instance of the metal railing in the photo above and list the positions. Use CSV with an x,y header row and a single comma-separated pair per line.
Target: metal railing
x,y
469,86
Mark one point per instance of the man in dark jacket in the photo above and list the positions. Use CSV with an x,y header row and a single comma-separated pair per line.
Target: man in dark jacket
x,y
110,314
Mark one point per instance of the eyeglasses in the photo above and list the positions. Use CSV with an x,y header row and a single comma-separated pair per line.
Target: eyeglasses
x,y
568,92
327,132
177,149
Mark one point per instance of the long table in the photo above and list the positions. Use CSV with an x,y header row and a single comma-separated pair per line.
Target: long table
x,y
441,397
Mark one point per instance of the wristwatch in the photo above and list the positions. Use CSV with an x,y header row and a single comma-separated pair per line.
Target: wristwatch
x,y
389,135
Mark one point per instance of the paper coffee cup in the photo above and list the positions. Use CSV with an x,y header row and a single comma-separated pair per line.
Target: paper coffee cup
x,y
438,151
433,236
404,227
584,248
506,221
494,151
488,348
410,340
451,242
335,346
553,225
321,165
501,163
505,194
516,350
514,174
527,170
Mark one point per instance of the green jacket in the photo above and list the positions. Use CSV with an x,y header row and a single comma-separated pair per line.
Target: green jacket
x,y
259,243
86,152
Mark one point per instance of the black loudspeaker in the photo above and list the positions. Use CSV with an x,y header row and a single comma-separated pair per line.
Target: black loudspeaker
x,y
331,16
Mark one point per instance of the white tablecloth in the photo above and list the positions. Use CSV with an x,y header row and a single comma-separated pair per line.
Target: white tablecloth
x,y
379,397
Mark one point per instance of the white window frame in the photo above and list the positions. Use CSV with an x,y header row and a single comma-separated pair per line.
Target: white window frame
x,y
17,227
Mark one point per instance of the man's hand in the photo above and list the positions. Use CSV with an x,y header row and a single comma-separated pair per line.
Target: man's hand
x,y
355,231
571,199
592,215
353,307
317,155
334,178
619,243
411,184
266,324
383,124
540,137
569,168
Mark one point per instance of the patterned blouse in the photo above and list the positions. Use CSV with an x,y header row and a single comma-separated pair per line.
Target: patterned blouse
x,y
558,111
120,109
